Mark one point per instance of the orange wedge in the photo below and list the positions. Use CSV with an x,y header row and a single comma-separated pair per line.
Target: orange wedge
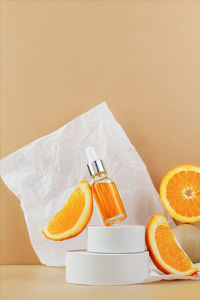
x,y
164,249
73,217
180,193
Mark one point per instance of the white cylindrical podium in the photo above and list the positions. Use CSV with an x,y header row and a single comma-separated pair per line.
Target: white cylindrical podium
x,y
116,239
83,267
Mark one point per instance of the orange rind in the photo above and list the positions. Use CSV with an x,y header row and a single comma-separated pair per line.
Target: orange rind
x,y
180,193
164,249
72,219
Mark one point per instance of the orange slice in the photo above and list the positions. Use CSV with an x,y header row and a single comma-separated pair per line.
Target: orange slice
x,y
73,217
180,193
165,250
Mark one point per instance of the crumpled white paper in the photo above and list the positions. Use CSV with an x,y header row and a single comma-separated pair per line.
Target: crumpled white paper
x,y
156,275
43,174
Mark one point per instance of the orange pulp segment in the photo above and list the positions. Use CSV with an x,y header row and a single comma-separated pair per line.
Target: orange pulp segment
x,y
73,217
180,193
165,250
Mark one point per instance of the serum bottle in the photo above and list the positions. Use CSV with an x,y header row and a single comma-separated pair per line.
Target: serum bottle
x,y
104,190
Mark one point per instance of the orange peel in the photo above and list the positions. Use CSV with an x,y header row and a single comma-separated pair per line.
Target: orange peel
x,y
72,219
180,193
164,249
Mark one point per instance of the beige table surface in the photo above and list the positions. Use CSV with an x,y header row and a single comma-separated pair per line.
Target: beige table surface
x,y
41,282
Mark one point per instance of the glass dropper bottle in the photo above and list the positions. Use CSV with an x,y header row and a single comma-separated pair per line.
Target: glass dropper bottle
x,y
104,190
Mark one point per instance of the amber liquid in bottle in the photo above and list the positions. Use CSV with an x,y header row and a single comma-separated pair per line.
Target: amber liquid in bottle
x,y
108,199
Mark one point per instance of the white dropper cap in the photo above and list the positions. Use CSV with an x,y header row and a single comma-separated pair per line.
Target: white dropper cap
x,y
95,165
91,154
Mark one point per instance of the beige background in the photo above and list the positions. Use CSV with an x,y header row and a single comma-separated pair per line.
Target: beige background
x,y
60,58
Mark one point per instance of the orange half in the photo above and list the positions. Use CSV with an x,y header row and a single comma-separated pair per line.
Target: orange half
x,y
73,217
164,249
180,193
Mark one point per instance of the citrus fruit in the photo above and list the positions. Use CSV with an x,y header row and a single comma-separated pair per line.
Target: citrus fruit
x,y
180,193
164,249
73,217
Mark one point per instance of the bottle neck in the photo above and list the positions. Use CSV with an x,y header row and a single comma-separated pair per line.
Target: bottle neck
x,y
99,176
